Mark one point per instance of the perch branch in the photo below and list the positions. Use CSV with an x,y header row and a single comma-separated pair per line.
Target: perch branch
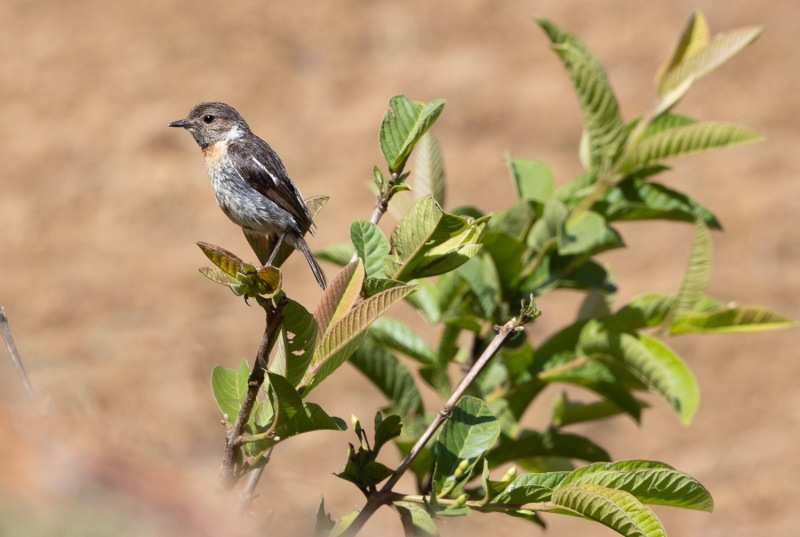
x,y
233,440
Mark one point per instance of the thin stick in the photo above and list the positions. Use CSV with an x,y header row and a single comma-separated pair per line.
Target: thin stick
x,y
385,495
233,440
12,350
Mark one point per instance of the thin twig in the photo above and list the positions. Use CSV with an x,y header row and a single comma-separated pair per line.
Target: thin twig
x,y
12,350
233,440
385,495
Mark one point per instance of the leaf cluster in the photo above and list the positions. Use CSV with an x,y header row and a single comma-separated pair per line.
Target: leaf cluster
x,y
465,272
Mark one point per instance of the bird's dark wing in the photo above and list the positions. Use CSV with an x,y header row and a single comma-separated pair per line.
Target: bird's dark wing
x,y
262,169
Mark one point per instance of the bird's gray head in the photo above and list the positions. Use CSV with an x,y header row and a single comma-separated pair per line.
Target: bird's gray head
x,y
213,122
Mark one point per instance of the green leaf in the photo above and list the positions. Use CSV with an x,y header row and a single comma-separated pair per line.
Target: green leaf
x,y
729,319
595,376
429,169
296,345
371,246
534,180
389,375
515,221
506,253
697,275
586,233
532,444
652,361
470,431
403,126
601,113
684,140
568,412
344,336
615,509
386,429
294,416
526,488
546,230
229,387
650,482
416,520
641,200
643,311
482,279
428,242
398,336
339,254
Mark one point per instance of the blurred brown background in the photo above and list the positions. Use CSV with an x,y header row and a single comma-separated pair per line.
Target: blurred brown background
x,y
100,205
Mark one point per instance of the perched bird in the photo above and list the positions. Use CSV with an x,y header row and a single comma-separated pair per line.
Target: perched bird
x,y
249,180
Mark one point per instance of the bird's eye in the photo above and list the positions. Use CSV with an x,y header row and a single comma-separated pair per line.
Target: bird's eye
x,y
208,118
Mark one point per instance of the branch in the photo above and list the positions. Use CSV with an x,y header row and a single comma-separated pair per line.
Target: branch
x,y
385,495
12,350
385,195
233,440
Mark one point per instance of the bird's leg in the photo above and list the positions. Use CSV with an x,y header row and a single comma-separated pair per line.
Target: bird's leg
x,y
275,249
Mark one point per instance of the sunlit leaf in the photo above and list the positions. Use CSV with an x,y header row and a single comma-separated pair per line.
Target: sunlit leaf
x,y
601,113
389,375
345,335
731,319
616,509
652,361
404,125
429,169
371,245
229,387
650,482
684,140
342,292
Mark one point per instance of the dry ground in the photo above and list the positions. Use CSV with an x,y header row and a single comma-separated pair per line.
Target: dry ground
x,y
100,204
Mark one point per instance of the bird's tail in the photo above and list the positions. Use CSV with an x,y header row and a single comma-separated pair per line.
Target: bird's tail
x,y
300,244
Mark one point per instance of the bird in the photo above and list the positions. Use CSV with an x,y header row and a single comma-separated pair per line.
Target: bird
x,y
249,180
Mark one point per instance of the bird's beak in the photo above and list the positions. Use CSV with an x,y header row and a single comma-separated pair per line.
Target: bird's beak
x,y
180,123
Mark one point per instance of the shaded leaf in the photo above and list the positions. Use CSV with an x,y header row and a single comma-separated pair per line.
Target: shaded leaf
x,y
643,200
296,344
416,520
531,444
389,375
470,431
651,360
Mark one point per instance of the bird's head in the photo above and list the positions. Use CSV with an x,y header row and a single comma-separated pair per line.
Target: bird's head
x,y
213,122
